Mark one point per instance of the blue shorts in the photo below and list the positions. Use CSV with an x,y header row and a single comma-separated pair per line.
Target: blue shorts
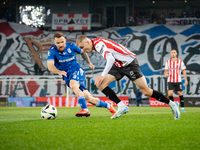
x,y
78,75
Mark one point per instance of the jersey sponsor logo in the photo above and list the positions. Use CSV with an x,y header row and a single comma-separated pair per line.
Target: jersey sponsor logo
x,y
67,60
101,50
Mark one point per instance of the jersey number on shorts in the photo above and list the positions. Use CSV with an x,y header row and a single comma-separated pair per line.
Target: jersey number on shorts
x,y
132,74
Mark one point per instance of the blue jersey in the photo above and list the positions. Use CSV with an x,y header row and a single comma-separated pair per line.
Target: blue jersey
x,y
66,61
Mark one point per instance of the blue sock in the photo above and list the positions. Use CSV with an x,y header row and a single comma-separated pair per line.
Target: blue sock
x,y
82,102
101,104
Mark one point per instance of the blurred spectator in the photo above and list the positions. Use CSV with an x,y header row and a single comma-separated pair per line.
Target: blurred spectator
x,y
37,69
43,93
131,20
167,14
155,21
184,14
191,13
119,25
138,97
172,14
12,94
197,13
4,16
154,16
162,18
166,94
42,27
9,16
197,72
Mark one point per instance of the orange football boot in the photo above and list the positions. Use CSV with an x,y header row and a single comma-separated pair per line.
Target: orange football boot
x,y
83,113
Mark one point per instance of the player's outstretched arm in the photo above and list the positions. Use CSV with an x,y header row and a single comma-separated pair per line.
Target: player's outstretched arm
x,y
87,59
53,69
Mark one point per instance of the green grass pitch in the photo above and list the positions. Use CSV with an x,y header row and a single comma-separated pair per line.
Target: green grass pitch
x,y
144,128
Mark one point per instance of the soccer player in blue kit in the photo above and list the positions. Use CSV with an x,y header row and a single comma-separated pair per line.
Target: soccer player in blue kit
x,y
61,60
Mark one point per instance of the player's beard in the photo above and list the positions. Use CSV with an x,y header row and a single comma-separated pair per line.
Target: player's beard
x,y
61,49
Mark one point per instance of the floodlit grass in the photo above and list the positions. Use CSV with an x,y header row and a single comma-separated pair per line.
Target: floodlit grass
x,y
143,128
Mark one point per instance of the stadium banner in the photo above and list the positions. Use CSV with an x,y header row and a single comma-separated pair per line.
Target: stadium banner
x,y
22,101
71,21
23,51
54,86
154,103
182,21
192,102
73,102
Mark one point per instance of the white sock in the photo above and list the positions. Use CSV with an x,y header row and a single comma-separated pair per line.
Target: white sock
x,y
171,103
86,109
121,104
108,105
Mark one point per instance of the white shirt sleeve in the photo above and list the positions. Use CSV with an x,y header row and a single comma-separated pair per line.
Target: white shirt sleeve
x,y
166,66
183,66
110,61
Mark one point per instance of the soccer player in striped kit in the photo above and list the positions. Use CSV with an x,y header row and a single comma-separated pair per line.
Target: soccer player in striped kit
x,y
61,60
173,68
120,62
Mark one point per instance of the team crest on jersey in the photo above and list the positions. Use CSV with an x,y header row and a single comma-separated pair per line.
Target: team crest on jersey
x,y
69,50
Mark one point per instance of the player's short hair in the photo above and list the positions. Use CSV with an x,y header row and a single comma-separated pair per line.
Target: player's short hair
x,y
58,35
174,50
80,39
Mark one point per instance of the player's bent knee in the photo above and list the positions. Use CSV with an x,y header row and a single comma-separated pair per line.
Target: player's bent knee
x,y
146,93
101,87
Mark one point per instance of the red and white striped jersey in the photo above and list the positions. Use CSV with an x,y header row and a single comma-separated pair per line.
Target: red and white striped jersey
x,y
174,69
122,55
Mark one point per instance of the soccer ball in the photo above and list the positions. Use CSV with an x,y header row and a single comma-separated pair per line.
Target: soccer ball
x,y
49,112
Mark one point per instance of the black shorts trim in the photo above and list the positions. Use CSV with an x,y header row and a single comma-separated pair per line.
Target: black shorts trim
x,y
177,86
132,71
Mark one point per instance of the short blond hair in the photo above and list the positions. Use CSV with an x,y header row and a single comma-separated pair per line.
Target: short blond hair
x,y
80,39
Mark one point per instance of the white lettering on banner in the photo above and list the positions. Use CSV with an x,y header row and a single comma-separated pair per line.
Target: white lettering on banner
x,y
182,21
30,86
157,103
